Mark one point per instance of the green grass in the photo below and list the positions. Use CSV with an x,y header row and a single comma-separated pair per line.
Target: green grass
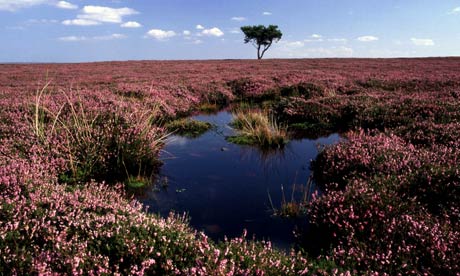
x,y
188,127
209,107
258,128
241,140
136,182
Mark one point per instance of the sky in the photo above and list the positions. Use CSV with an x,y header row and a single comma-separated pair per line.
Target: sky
x,y
94,30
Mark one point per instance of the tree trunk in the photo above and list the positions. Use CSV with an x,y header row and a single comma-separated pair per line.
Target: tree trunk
x,y
264,50
258,53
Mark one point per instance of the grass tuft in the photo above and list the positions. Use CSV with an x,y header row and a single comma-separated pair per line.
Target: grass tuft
x,y
258,128
107,145
294,208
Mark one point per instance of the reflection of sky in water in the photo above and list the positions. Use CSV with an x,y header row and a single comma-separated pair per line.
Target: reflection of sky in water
x,y
224,187
177,141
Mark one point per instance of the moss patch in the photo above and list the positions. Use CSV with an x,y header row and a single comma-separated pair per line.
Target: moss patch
x,y
188,127
241,140
136,182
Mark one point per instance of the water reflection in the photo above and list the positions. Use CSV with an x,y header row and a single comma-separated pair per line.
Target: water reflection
x,y
223,186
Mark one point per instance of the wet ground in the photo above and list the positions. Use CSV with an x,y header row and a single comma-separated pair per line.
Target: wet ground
x,y
226,188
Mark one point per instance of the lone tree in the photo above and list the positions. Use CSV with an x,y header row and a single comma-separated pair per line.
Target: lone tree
x,y
261,37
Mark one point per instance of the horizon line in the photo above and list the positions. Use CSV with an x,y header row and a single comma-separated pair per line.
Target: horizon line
x,y
219,59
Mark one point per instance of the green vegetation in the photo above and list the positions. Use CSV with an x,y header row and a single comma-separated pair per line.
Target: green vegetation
x,y
209,107
188,127
136,182
308,126
258,128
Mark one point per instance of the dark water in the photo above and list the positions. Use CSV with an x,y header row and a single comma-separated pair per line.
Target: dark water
x,y
225,187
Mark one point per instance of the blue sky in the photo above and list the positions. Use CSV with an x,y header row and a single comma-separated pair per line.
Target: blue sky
x,y
93,30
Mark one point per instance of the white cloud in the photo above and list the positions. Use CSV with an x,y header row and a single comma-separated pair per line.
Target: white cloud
x,y
238,18
84,38
105,14
15,28
160,34
422,41
66,5
367,38
266,13
199,27
197,41
292,44
131,24
390,53
94,15
186,32
13,5
298,49
72,38
109,37
213,32
455,11
314,38
343,40
341,51
80,22
41,21
235,31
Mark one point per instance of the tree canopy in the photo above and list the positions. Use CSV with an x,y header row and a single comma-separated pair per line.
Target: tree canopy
x,y
261,37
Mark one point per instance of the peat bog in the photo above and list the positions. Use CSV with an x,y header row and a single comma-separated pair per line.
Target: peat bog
x,y
77,139
226,187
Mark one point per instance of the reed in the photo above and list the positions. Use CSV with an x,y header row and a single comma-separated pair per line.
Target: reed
x,y
97,143
258,128
294,208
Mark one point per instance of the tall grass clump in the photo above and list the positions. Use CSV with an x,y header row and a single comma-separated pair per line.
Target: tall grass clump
x,y
258,128
99,140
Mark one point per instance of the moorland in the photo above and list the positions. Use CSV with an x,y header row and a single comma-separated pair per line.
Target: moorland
x,y
75,137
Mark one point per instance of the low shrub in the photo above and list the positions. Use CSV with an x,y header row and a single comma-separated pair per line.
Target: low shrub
x,y
305,90
390,207
48,228
252,90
